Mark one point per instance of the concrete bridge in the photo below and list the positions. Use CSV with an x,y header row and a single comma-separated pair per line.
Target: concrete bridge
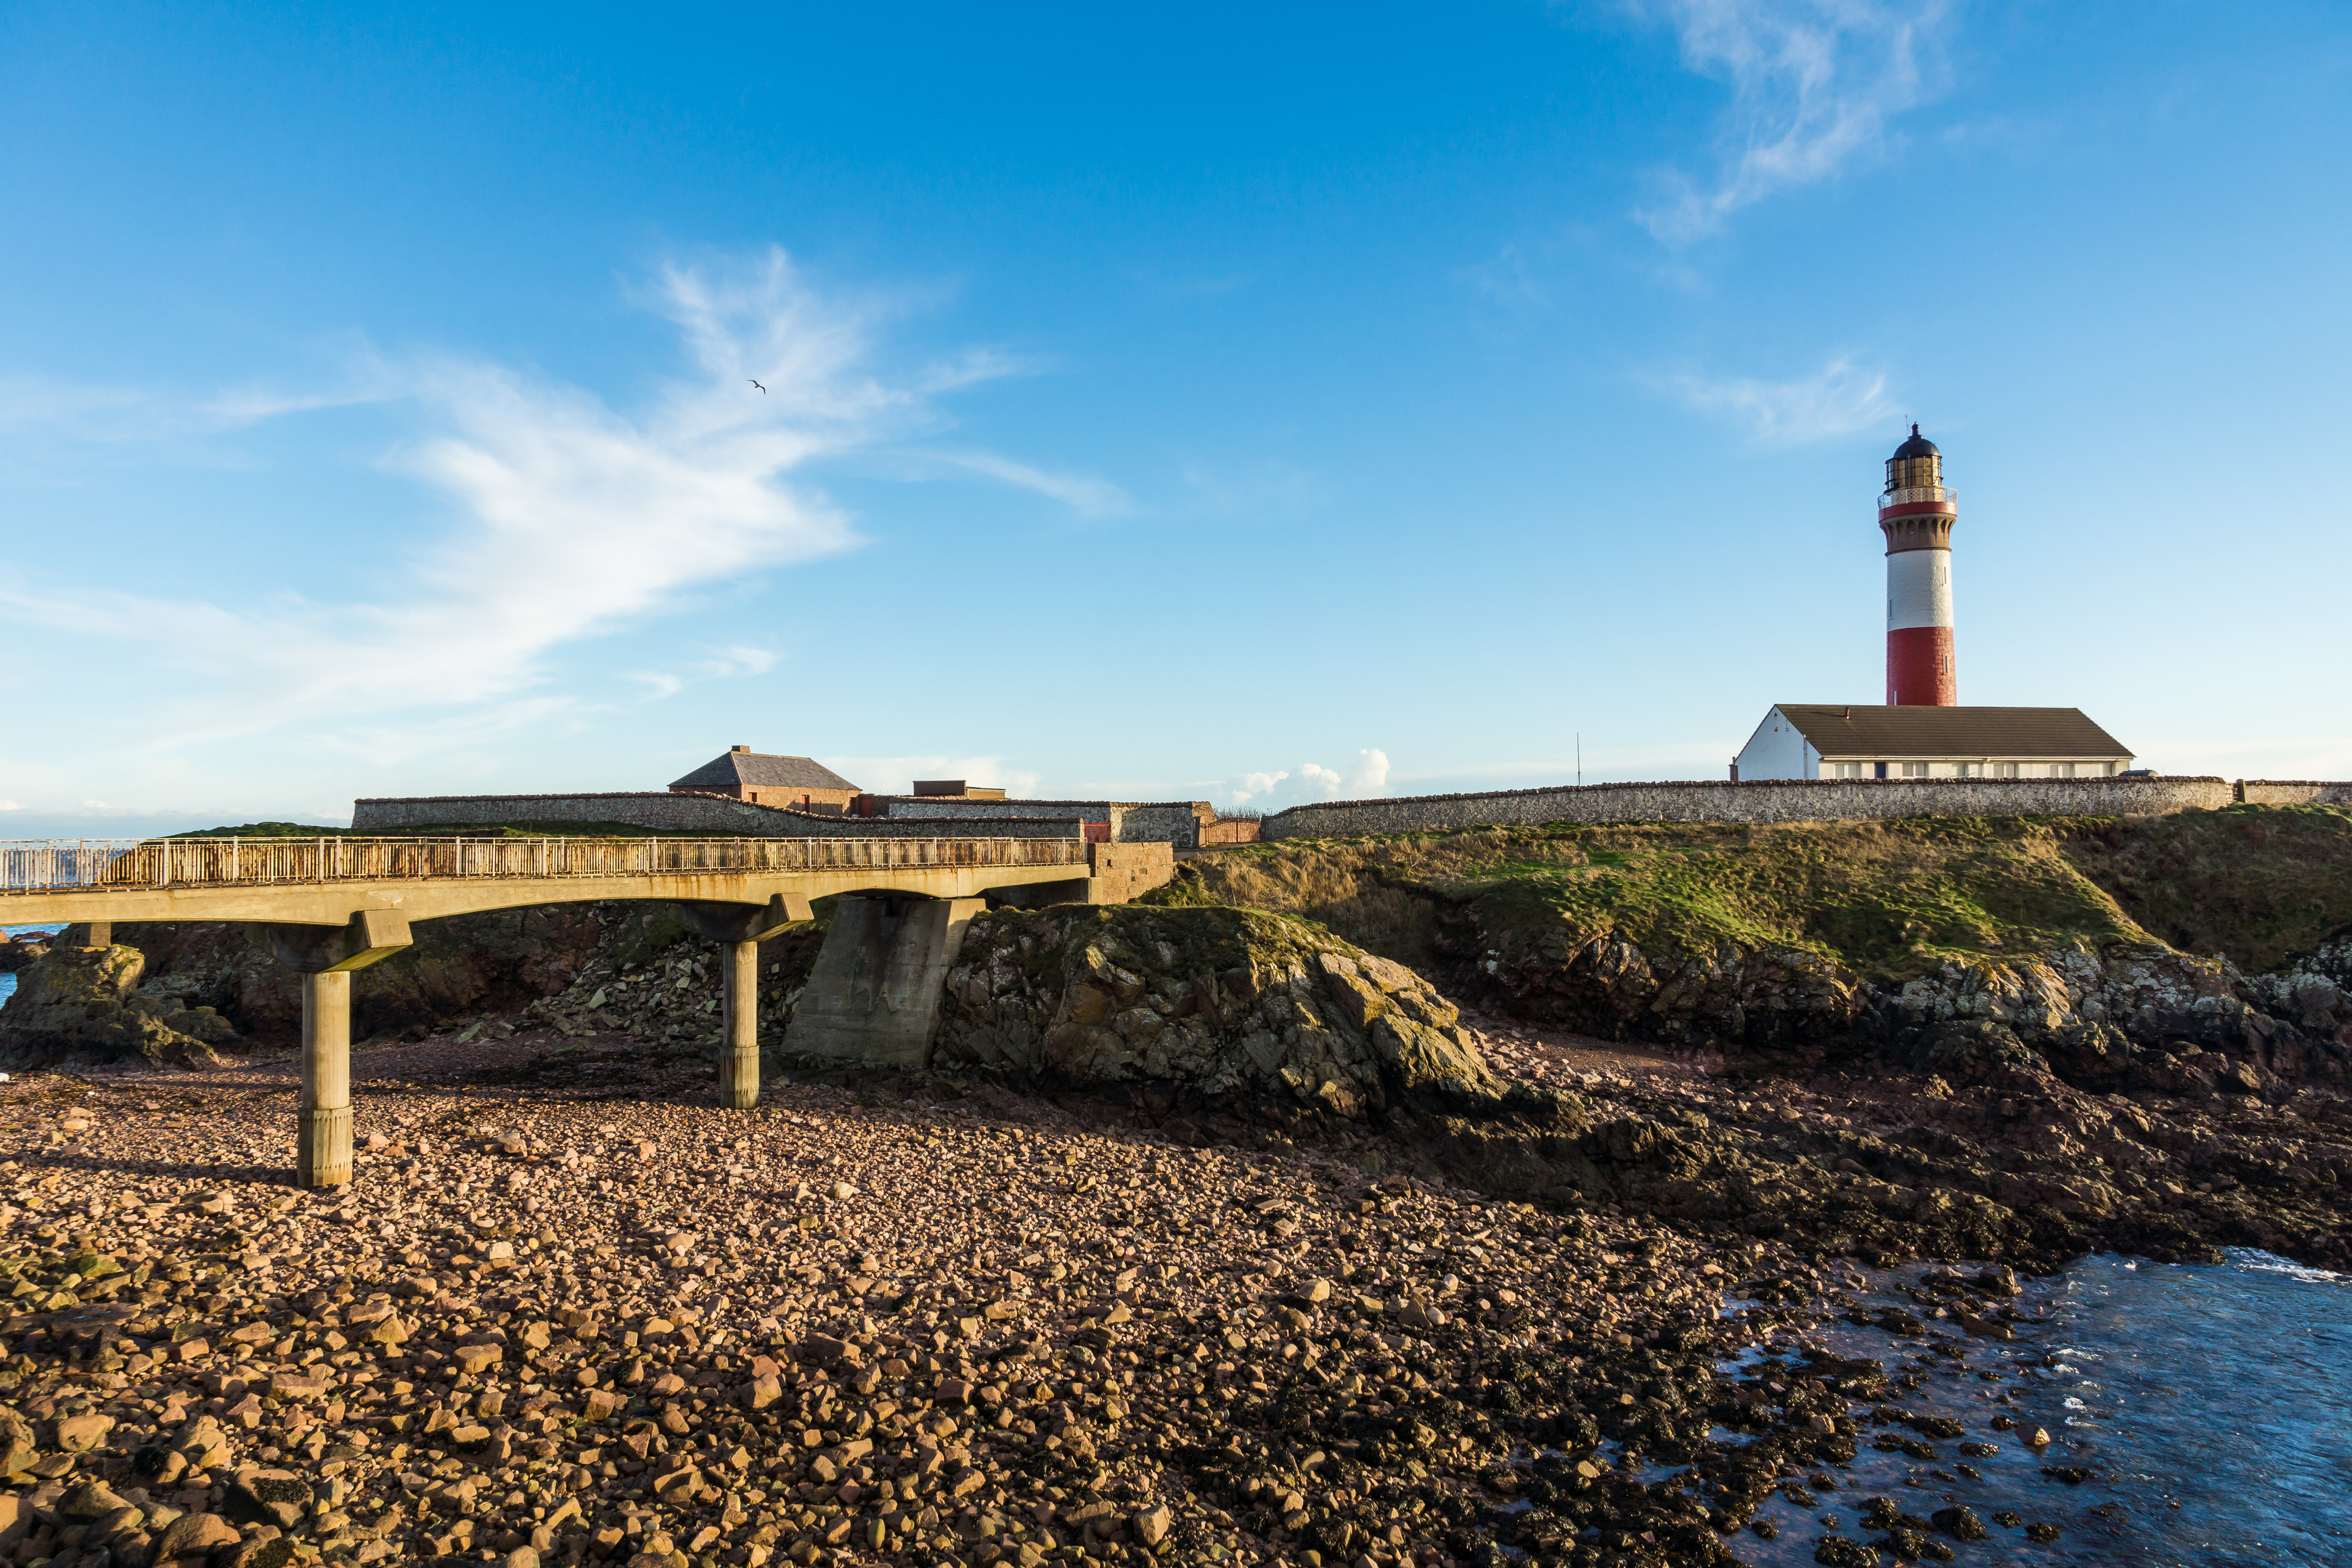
x,y
330,906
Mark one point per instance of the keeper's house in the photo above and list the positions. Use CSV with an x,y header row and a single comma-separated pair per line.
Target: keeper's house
x,y
1838,741
766,780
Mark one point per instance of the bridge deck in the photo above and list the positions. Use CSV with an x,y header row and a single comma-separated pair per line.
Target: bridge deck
x,y
325,881
330,906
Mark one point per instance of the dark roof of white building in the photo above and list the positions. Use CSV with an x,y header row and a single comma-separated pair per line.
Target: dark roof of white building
x,y
765,772
1842,729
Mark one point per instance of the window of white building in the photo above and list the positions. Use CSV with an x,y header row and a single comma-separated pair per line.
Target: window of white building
x,y
1914,770
1849,770
2004,770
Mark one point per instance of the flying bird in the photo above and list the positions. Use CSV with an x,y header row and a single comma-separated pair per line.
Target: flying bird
x,y
761,388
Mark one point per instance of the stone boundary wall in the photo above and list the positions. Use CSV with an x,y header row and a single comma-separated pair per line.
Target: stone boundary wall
x,y
2293,791
1175,823
721,815
1763,800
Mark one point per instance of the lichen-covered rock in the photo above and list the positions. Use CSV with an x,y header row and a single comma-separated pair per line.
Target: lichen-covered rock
x,y
2313,992
1224,1002
1604,985
82,1005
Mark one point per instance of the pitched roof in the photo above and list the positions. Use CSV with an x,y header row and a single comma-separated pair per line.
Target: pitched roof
x,y
1841,730
765,772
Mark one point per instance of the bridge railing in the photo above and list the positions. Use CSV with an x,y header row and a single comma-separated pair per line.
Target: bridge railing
x,y
48,866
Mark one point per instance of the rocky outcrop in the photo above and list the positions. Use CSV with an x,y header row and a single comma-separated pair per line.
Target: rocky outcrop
x,y
1607,987
2112,1019
460,969
652,977
81,1007
2314,993
18,951
1227,1003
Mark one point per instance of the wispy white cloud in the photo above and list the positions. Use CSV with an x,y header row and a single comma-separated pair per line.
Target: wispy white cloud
x,y
567,517
1082,493
1839,399
1259,492
1815,86
63,414
1365,777
725,665
1509,280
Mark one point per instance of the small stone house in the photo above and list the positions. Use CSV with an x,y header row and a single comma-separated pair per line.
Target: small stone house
x,y
765,779
1849,740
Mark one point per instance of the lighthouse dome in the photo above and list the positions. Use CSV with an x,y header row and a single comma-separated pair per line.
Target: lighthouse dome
x,y
1917,446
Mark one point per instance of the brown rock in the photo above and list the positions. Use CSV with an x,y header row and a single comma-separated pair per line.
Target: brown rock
x,y
16,1446
79,1434
193,1535
90,1501
1151,1525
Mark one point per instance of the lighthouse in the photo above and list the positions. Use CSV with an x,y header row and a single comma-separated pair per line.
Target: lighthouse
x,y
1916,513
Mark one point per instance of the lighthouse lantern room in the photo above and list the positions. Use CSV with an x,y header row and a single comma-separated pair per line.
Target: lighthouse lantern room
x,y
1916,513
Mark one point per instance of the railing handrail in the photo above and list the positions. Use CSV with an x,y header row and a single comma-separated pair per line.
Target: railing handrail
x,y
1917,493
63,865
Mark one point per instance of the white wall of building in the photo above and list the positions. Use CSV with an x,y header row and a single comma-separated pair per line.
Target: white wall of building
x,y
1777,750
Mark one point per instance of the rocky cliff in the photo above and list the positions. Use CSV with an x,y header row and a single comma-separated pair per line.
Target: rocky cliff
x,y
1953,945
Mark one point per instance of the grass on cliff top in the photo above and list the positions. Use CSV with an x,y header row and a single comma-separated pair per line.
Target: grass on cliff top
x,y
1887,899
2255,884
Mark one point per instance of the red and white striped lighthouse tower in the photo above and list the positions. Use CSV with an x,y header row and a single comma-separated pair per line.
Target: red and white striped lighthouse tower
x,y
1916,514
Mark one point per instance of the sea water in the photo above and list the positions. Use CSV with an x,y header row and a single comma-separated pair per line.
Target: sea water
x,y
2210,1405
8,982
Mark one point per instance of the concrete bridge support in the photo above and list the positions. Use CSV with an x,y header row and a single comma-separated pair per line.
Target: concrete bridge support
x,y
325,957
874,995
741,928
322,1133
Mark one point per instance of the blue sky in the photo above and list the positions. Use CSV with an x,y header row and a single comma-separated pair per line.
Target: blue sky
x,y
1195,403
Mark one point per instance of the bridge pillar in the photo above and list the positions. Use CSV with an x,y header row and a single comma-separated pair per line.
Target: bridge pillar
x,y
323,1138
874,996
740,928
739,1051
325,956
